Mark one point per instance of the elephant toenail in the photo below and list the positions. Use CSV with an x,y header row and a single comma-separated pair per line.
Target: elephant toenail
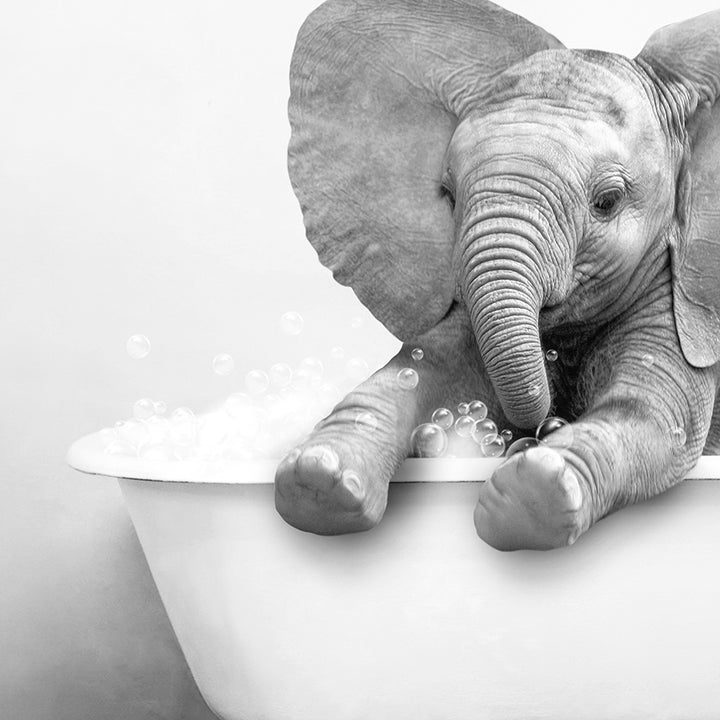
x,y
573,494
548,458
324,457
316,453
352,483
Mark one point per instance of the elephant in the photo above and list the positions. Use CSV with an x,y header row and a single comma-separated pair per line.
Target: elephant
x,y
489,194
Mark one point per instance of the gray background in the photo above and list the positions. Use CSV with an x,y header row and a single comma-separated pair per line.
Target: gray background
x,y
144,190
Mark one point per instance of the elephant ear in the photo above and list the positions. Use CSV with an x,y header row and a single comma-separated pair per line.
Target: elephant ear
x,y
377,89
686,59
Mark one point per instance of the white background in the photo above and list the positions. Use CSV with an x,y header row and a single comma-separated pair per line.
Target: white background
x,y
143,189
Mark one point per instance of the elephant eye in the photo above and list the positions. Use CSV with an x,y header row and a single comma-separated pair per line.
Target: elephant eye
x,y
605,203
447,193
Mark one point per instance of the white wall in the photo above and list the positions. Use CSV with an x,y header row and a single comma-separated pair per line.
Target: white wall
x,y
144,189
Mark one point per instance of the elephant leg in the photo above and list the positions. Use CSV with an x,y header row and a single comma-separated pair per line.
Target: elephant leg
x,y
337,480
645,426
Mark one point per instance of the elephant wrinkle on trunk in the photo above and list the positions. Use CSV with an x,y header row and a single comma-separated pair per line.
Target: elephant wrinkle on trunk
x,y
504,311
502,255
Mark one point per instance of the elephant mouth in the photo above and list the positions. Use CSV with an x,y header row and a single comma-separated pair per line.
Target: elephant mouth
x,y
552,316
570,320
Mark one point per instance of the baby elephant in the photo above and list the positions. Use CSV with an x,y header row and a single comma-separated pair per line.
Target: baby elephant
x,y
489,195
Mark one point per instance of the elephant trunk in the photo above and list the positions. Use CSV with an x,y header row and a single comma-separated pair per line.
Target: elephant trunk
x,y
504,292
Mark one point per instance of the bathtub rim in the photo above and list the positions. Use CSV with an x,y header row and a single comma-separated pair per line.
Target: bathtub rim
x,y
87,455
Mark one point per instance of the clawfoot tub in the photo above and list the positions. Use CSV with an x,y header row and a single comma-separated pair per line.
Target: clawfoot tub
x,y
418,619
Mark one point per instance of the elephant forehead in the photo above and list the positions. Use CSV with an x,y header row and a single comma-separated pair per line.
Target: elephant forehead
x,y
595,82
523,134
561,107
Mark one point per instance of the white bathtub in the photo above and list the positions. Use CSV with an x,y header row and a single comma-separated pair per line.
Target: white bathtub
x,y
418,619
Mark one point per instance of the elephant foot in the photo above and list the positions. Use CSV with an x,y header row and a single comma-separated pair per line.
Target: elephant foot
x,y
319,489
532,502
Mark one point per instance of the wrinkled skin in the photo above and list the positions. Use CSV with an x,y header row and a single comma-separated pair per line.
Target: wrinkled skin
x,y
577,194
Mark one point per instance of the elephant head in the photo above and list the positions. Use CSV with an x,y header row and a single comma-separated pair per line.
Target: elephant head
x,y
451,151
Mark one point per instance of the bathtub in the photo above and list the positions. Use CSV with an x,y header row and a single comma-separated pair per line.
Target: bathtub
x,y
418,619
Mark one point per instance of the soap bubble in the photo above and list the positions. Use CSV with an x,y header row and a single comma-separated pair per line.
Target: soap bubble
x,y
506,435
236,404
337,353
291,323
182,426
407,379
143,409
463,408
303,378
294,403
315,382
266,445
158,429
464,426
160,407
520,445
313,365
477,410
443,417
280,375
279,411
549,426
551,355
492,446
306,379
158,451
107,437
271,400
257,382
285,435
121,447
246,420
357,369
428,440
185,452
328,395
238,452
679,436
212,430
647,360
138,346
133,431
366,422
483,429
223,364
534,390
417,354
181,414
